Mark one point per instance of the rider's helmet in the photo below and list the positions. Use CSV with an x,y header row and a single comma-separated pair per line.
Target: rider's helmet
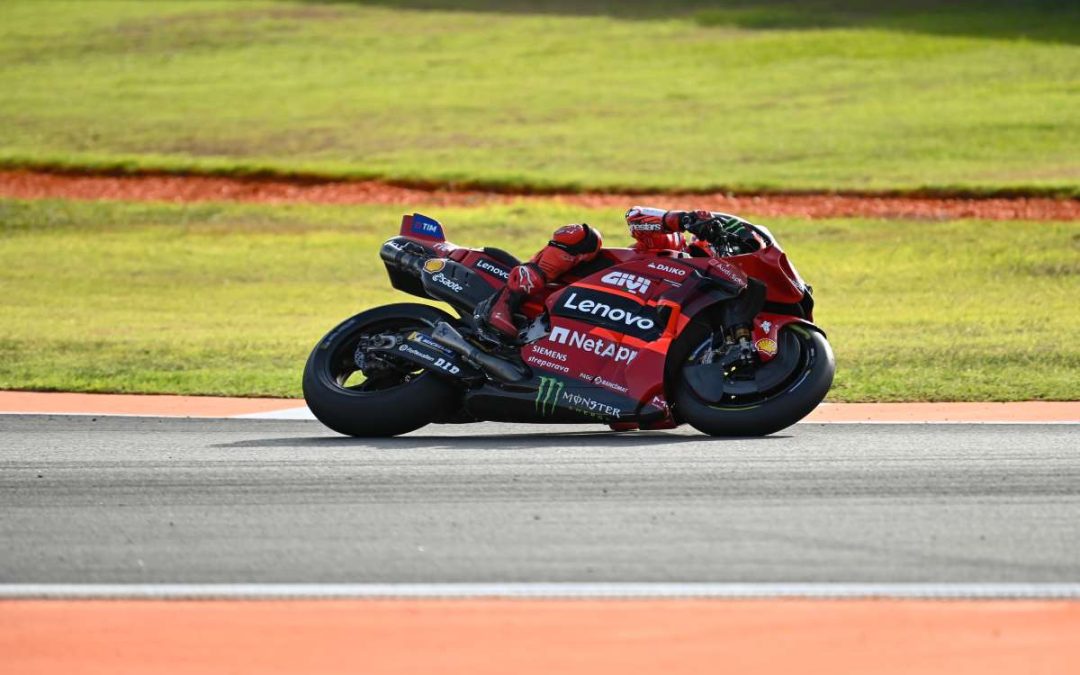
x,y
649,231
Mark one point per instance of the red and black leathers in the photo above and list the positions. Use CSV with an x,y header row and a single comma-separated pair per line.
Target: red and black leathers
x,y
569,246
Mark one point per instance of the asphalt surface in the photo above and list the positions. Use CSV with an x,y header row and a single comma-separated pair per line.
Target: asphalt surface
x,y
126,500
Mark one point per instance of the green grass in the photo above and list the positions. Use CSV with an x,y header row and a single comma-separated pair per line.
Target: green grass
x,y
227,299
782,95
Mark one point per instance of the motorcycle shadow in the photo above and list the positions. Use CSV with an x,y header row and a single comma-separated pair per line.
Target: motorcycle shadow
x,y
501,442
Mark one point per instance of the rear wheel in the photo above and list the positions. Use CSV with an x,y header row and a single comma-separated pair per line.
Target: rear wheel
x,y
775,395
375,401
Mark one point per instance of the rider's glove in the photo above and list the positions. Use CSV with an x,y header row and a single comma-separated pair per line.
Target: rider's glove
x,y
677,221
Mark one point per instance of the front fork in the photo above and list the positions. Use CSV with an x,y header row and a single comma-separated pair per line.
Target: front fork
x,y
735,352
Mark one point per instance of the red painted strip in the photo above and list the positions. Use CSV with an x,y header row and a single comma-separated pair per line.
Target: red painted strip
x,y
213,406
540,637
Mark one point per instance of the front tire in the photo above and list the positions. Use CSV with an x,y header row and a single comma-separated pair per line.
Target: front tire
x,y
771,411
387,405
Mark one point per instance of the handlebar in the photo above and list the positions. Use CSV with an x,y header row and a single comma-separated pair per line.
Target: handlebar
x,y
734,234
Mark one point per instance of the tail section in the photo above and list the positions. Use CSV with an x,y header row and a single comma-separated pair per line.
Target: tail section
x,y
420,226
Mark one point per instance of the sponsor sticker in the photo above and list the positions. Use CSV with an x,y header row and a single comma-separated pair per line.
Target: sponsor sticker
x,y
434,265
417,336
631,282
547,396
550,353
589,405
492,269
727,270
766,346
593,345
670,269
417,353
615,312
609,384
426,227
549,365
444,280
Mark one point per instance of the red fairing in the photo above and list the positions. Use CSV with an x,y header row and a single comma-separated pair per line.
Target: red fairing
x,y
614,313
766,332
771,266
490,270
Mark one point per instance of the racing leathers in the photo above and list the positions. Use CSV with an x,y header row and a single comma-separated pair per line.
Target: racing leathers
x,y
569,246
652,229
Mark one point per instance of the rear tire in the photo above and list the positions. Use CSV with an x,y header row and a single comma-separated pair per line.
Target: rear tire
x,y
776,410
385,406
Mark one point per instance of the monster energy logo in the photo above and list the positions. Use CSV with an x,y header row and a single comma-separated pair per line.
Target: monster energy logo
x,y
548,394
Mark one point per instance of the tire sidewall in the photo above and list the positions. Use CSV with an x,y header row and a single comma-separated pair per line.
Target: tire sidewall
x,y
796,401
376,413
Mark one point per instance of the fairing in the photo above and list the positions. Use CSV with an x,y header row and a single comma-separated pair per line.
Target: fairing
x,y
611,322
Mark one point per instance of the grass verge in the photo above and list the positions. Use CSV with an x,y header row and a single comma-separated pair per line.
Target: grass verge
x,y
228,299
766,95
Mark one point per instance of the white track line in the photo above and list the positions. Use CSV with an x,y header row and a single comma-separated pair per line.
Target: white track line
x,y
828,591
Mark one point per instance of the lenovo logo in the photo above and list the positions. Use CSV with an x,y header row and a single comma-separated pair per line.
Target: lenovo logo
x,y
492,269
605,311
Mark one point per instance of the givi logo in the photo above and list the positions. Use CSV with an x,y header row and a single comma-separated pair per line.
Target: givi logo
x,y
630,282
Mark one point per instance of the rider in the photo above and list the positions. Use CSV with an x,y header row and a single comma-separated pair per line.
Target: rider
x,y
653,229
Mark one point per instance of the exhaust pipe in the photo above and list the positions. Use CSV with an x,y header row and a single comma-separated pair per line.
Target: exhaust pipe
x,y
500,369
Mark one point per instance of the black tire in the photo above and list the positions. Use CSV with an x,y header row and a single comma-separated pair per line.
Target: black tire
x,y
767,413
388,406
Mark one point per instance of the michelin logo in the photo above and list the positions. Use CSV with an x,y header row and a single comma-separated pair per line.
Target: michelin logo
x,y
598,346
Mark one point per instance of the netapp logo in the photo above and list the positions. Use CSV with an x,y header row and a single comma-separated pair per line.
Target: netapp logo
x,y
492,269
632,283
598,346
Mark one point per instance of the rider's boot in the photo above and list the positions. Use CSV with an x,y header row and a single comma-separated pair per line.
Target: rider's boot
x,y
523,281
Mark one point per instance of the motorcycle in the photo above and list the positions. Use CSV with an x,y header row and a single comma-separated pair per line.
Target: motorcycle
x,y
719,335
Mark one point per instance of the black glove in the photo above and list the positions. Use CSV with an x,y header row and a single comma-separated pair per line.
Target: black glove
x,y
708,229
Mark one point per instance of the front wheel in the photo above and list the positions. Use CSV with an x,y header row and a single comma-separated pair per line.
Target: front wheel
x,y
781,393
384,401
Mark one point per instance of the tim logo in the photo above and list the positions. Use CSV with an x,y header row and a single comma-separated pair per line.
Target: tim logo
x,y
426,227
547,396
632,283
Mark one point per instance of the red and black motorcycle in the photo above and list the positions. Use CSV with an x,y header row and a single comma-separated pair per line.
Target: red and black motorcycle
x,y
719,335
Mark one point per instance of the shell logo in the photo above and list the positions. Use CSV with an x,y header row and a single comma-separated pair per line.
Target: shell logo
x,y
434,265
766,346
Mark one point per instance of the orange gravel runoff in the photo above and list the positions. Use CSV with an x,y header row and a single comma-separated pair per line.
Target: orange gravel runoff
x,y
185,188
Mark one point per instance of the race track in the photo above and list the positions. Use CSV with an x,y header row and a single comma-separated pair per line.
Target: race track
x,y
150,500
